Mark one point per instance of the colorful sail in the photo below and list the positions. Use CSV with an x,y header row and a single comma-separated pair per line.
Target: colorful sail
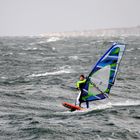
x,y
102,76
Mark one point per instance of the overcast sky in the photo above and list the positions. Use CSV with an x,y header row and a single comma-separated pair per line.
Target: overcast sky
x,y
33,17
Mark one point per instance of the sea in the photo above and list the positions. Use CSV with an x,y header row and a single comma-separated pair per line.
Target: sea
x,y
38,73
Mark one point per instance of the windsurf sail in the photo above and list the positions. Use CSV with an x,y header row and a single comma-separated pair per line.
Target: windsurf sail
x,y
103,74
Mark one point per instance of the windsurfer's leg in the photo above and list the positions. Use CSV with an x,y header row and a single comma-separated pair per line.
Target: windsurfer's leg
x,y
80,100
87,103
80,103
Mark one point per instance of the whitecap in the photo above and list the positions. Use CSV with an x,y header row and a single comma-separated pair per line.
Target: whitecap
x,y
34,48
75,57
66,67
53,39
127,103
50,73
53,48
129,50
3,77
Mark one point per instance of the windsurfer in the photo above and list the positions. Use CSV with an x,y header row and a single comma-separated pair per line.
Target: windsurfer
x,y
80,85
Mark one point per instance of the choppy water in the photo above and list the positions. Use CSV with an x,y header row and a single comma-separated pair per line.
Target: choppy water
x,y
32,72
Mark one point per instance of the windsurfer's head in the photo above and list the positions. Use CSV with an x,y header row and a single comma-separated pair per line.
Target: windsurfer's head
x,y
82,77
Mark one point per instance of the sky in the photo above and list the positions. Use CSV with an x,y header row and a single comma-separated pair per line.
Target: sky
x,y
34,17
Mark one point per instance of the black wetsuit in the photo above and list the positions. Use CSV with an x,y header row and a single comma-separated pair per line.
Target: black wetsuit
x,y
81,86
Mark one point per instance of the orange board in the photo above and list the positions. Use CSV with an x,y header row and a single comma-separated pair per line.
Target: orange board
x,y
71,106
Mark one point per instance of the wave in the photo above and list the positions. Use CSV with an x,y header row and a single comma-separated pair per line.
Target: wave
x,y
130,50
91,109
75,57
51,73
53,39
115,104
100,107
30,48
127,103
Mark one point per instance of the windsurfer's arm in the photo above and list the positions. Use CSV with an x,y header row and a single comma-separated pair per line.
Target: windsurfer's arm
x,y
78,85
